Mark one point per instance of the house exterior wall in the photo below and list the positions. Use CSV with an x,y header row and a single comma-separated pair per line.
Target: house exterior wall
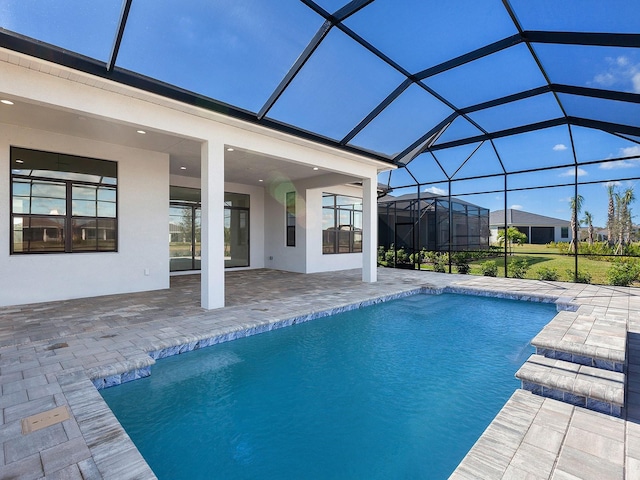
x,y
557,234
144,186
142,227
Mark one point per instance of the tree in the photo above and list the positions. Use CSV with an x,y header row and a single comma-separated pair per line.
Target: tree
x,y
611,214
576,207
588,219
624,224
513,236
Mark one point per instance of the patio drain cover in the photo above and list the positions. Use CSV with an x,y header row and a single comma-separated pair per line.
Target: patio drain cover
x,y
44,419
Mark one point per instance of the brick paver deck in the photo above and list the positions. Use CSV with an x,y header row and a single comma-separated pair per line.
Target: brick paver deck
x,y
49,353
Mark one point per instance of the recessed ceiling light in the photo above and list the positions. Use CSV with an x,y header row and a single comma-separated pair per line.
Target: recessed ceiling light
x,y
141,132
315,168
19,161
261,180
229,149
7,102
183,168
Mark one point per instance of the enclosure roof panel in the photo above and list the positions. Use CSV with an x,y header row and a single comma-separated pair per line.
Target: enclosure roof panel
x,y
392,81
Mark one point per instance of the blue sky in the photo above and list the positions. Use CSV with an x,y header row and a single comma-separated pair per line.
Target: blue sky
x,y
237,51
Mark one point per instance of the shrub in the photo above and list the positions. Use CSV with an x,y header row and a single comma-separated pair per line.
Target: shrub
x,y
461,261
518,268
489,268
440,263
390,256
402,256
381,254
623,272
548,274
463,268
581,276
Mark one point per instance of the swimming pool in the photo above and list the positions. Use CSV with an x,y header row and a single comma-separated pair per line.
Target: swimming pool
x,y
396,390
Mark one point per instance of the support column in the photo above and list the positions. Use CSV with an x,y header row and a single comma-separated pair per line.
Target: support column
x,y
212,229
369,229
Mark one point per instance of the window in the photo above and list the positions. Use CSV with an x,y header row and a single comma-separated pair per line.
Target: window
x,y
564,232
62,203
341,224
291,219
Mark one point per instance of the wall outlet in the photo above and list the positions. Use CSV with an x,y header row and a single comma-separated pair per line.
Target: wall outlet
x,y
146,272
270,257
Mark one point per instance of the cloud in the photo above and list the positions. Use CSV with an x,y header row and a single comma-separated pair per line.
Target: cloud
x,y
620,74
630,151
559,147
436,191
516,207
570,172
622,153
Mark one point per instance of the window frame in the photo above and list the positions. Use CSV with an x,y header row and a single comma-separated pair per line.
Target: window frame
x,y
68,219
336,243
290,219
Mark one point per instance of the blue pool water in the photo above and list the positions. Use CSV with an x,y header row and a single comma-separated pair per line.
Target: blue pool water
x,y
396,390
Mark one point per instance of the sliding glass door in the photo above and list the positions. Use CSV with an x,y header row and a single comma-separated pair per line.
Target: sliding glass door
x,y
185,224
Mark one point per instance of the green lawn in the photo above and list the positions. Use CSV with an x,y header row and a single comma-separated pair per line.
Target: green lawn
x,y
542,256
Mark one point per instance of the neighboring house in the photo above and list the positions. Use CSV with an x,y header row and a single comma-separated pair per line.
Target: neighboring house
x,y
401,218
539,229
107,189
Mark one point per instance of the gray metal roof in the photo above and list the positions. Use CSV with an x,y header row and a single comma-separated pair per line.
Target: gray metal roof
x,y
520,217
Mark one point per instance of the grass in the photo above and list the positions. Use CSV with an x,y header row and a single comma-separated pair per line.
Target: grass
x,y
542,256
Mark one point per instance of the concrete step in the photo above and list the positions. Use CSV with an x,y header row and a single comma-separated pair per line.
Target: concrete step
x,y
581,338
592,388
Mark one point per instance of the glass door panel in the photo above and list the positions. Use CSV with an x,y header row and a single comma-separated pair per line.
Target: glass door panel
x,y
180,238
236,237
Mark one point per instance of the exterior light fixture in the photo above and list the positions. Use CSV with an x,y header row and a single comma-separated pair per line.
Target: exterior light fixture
x,y
141,132
183,168
7,102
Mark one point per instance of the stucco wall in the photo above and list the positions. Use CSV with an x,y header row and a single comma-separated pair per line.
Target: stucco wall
x,y
142,228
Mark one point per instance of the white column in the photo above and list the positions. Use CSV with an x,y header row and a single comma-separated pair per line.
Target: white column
x,y
369,229
212,230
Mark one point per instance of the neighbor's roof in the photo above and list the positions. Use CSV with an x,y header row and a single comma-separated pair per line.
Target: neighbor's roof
x,y
452,89
521,218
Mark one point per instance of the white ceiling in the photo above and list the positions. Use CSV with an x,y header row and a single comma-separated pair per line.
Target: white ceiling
x,y
241,166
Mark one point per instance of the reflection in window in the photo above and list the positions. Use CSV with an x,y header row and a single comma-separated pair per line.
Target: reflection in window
x,y
341,224
62,203
185,229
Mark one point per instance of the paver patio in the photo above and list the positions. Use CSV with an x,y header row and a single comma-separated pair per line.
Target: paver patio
x,y
48,352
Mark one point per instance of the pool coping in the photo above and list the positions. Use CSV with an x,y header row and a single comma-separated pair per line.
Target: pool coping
x,y
139,366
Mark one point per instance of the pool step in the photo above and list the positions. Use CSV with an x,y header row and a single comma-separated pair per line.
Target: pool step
x,y
582,338
584,386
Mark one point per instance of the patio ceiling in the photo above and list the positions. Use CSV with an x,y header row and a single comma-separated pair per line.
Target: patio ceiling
x,y
455,89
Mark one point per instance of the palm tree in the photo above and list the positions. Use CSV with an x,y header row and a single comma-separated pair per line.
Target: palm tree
x,y
625,215
576,207
611,214
588,219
